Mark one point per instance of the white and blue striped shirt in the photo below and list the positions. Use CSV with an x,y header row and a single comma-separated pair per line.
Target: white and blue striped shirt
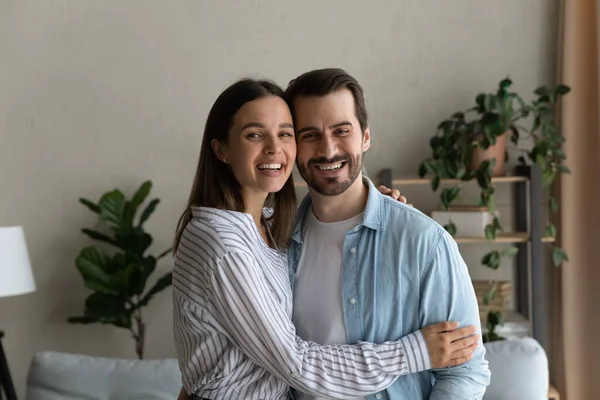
x,y
233,330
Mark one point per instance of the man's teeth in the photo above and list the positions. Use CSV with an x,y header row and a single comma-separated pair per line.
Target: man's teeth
x,y
269,166
330,167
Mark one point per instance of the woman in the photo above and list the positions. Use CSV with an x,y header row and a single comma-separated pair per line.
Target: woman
x,y
232,297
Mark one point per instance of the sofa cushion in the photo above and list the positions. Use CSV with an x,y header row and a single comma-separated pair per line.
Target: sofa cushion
x,y
519,369
61,376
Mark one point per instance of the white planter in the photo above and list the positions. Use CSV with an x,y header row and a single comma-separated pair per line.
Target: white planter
x,y
468,223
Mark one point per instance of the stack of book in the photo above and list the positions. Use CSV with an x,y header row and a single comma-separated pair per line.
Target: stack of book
x,y
500,301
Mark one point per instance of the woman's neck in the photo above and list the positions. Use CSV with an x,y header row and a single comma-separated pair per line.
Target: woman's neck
x,y
254,207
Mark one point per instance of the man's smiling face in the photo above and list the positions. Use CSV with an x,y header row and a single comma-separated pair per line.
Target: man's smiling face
x,y
330,141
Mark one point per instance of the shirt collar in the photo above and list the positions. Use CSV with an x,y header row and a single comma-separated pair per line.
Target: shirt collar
x,y
372,217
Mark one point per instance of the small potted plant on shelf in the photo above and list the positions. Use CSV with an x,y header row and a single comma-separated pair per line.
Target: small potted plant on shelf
x,y
472,145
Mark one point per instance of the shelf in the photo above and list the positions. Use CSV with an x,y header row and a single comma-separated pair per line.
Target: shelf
x,y
425,181
417,181
518,237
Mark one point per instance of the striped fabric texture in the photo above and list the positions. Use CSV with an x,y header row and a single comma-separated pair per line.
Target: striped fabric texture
x,y
233,330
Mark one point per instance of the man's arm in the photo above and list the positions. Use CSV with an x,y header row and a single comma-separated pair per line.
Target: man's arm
x,y
447,294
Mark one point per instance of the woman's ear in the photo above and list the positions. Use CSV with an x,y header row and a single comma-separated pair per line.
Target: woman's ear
x,y
219,149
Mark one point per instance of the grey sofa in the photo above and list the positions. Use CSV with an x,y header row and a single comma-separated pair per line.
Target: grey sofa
x,y
61,376
519,372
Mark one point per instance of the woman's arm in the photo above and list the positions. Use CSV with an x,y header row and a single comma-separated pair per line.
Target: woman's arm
x,y
254,321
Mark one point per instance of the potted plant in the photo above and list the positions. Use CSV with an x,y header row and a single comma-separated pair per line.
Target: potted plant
x,y
471,145
118,280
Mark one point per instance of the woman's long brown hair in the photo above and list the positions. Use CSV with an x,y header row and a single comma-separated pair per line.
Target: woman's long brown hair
x,y
215,185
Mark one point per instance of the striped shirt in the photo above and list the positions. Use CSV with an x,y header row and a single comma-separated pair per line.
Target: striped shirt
x,y
233,330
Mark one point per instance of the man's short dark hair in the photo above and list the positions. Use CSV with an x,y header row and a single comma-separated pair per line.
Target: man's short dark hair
x,y
321,82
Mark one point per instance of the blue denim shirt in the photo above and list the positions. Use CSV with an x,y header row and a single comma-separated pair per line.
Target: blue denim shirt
x,y
404,272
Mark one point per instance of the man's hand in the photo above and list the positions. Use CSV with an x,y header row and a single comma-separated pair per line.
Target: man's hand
x,y
393,193
449,346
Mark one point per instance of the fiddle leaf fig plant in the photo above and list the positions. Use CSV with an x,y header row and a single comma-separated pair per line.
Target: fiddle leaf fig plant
x,y
459,154
118,278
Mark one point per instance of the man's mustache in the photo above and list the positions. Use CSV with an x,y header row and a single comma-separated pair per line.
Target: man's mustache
x,y
323,160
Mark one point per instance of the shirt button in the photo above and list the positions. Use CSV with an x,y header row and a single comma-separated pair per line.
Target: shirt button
x,y
378,396
353,250
353,301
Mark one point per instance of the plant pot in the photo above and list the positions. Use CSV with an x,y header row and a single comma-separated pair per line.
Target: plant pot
x,y
496,151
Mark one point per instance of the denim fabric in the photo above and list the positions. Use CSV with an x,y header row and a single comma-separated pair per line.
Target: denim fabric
x,y
402,271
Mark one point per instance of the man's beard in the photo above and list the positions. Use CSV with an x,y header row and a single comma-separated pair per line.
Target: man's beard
x,y
331,186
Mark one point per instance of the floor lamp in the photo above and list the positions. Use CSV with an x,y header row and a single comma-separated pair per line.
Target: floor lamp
x,y
16,278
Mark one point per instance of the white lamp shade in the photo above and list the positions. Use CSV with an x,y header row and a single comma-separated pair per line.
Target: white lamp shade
x,y
15,269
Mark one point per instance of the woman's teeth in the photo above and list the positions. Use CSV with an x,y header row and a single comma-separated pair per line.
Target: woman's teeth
x,y
269,166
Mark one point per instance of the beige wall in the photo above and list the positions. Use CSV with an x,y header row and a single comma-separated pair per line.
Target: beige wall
x,y
96,95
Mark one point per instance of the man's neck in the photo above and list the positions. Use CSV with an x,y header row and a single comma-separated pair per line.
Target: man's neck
x,y
343,206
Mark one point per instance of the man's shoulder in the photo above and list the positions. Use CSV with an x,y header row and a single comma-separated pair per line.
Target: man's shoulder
x,y
398,216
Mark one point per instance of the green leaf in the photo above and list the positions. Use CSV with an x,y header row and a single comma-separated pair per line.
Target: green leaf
x,y
490,295
112,207
542,91
121,280
550,231
491,259
108,309
82,320
148,211
562,90
560,154
435,183
93,207
559,255
489,102
490,232
451,228
145,269
496,223
553,204
564,169
137,199
548,177
461,172
491,203
495,318
505,83
510,251
99,236
451,168
514,137
164,282
92,264
449,195
135,241
422,170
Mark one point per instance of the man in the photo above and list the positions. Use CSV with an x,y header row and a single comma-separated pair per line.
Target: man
x,y
363,266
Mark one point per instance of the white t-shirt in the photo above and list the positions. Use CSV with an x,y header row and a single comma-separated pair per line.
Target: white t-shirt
x,y
318,310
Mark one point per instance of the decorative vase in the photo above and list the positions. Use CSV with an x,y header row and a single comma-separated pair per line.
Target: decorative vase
x,y
496,151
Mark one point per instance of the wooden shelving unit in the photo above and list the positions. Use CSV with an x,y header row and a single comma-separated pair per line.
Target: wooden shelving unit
x,y
515,237
531,269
